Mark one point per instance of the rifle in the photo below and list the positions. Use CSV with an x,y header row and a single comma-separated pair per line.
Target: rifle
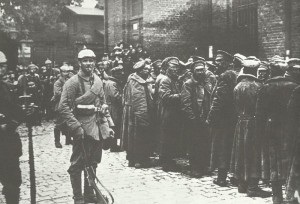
x,y
29,125
95,183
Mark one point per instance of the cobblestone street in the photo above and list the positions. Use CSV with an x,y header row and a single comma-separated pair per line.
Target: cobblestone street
x,y
128,185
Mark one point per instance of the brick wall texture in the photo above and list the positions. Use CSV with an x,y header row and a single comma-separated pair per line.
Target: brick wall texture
x,y
176,27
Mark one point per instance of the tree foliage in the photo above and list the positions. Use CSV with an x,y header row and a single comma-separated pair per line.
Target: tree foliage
x,y
34,15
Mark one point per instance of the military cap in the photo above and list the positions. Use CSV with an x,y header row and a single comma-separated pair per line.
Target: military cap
x,y
86,53
117,48
196,63
196,58
48,61
251,62
64,67
117,68
225,55
156,62
32,66
210,64
139,65
170,61
263,65
239,57
294,63
277,59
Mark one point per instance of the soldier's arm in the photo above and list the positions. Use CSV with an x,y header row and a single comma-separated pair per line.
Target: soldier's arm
x,y
186,101
261,113
165,93
66,105
57,90
220,98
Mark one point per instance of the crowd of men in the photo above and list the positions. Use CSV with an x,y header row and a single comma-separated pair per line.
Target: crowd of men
x,y
237,115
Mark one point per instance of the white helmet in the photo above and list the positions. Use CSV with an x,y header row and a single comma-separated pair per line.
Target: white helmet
x,y
2,57
86,53
48,61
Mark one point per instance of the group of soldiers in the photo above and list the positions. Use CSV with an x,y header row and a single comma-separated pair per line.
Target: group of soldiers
x,y
237,114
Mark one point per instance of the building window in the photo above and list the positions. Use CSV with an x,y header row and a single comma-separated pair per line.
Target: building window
x,y
136,8
245,26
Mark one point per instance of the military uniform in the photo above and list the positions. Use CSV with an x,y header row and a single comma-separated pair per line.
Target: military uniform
x,y
195,100
10,144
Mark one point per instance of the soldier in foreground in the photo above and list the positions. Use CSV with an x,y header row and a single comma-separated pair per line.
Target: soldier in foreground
x,y
82,95
10,144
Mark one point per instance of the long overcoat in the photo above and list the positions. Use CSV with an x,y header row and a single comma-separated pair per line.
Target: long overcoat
x,y
137,116
171,118
293,181
222,119
273,124
244,158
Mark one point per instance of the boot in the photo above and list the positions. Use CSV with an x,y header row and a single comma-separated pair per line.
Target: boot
x,y
277,193
57,138
254,191
76,186
221,180
89,194
242,186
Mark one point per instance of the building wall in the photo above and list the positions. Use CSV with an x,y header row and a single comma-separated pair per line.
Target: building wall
x,y
86,25
176,27
295,28
271,28
114,24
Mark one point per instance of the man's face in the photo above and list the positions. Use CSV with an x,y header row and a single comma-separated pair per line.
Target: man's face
x,y
144,72
199,72
221,63
87,65
64,73
101,68
3,69
173,71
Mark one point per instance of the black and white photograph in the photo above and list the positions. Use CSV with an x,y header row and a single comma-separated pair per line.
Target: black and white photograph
x,y
149,102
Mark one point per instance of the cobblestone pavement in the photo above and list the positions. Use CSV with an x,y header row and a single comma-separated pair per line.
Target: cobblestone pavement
x,y
128,185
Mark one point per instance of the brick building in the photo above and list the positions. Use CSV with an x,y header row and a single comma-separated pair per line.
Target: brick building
x,y
175,27
84,26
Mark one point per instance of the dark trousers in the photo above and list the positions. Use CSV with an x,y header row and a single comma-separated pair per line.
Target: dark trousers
x,y
93,151
10,178
139,144
198,145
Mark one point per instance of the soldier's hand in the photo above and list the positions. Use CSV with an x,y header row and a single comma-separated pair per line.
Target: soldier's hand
x,y
111,132
78,133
